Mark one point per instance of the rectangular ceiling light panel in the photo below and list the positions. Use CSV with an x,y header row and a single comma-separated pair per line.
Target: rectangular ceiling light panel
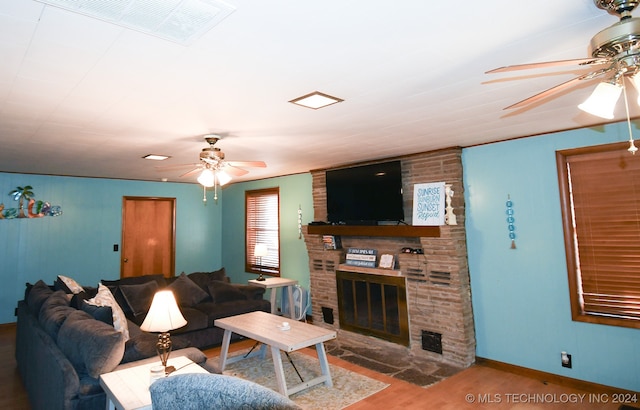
x,y
180,21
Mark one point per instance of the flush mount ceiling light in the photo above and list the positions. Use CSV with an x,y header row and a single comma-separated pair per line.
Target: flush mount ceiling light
x,y
180,21
316,100
156,157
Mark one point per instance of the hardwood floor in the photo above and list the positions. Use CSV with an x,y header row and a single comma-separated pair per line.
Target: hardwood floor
x,y
478,387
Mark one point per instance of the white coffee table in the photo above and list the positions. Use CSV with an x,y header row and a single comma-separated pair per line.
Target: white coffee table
x,y
274,284
128,389
263,327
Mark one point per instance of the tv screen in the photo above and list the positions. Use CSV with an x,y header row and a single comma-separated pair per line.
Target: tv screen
x,y
365,194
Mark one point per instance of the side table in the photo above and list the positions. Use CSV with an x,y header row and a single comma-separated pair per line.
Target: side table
x,y
128,389
274,284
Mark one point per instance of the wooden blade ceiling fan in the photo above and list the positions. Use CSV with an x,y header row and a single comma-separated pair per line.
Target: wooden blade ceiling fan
x,y
616,47
615,54
213,168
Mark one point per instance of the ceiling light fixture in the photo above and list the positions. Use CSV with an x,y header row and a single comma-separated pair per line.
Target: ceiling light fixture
x,y
316,100
156,157
602,101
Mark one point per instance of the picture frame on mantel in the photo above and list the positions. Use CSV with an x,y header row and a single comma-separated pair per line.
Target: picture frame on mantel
x,y
387,261
428,204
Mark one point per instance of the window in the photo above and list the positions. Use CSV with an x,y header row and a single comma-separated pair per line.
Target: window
x,y
600,198
262,222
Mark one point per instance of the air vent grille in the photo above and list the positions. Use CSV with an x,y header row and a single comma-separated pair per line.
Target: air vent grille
x,y
440,278
180,21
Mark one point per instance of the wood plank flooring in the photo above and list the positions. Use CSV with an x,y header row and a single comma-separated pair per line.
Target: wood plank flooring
x,y
479,387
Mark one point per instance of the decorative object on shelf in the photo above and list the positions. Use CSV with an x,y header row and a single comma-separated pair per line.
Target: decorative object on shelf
x,y
387,261
35,209
164,315
331,242
299,221
428,204
449,216
510,222
361,257
259,251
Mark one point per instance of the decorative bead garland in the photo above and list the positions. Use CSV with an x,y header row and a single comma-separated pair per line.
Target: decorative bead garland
x,y
510,222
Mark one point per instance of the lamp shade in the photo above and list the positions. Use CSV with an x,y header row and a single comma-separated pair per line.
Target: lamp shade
x,y
223,178
164,314
260,250
206,178
603,100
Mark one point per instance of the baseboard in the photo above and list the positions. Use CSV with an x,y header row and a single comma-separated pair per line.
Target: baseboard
x,y
545,377
8,326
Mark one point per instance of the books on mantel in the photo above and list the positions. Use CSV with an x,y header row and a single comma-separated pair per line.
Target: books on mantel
x,y
361,257
331,242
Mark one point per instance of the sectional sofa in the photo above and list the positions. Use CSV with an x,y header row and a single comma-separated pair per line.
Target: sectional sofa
x,y
65,339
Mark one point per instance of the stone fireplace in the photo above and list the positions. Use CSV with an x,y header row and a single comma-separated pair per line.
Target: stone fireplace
x,y
436,283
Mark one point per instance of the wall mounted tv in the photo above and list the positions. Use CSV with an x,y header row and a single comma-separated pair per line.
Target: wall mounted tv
x,y
365,195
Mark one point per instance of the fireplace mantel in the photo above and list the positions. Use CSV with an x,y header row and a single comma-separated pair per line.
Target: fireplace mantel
x,y
408,231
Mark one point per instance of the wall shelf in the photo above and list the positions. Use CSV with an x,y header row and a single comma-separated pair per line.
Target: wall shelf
x,y
378,230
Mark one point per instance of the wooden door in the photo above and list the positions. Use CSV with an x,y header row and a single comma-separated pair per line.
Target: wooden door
x,y
148,236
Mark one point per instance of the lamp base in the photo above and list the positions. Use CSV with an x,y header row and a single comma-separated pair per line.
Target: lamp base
x,y
260,278
163,347
169,369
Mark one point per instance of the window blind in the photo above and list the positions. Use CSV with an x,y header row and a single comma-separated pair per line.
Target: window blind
x,y
262,227
604,209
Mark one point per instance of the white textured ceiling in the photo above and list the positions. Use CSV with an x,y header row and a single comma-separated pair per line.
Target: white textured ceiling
x,y
83,97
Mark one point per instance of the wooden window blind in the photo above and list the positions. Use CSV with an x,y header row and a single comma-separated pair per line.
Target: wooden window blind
x,y
600,197
262,211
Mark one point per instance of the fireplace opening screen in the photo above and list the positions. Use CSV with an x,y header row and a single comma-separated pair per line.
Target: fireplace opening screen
x,y
373,305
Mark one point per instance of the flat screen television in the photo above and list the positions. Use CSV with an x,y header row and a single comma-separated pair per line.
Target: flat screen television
x,y
365,195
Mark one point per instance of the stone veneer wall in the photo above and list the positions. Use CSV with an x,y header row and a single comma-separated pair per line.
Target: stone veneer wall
x,y
438,288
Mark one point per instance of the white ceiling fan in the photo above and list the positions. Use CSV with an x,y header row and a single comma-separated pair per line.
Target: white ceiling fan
x,y
615,53
213,168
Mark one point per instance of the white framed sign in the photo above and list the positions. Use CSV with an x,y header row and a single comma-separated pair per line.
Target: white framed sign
x,y
428,204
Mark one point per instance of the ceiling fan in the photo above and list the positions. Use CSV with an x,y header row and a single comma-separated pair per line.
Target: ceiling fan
x,y
617,48
615,52
213,168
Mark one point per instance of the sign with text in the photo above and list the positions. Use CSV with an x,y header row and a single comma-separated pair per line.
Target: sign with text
x,y
428,204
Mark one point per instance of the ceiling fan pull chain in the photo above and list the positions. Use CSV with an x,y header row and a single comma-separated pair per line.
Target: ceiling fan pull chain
x,y
632,148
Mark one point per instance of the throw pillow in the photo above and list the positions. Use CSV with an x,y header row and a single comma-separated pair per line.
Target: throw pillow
x,y
101,313
225,292
54,312
187,293
38,293
202,279
105,298
93,347
68,285
138,298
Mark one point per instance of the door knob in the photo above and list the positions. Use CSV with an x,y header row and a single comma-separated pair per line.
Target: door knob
x,y
126,260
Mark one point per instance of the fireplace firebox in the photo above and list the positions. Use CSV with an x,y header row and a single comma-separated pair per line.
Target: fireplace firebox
x,y
374,305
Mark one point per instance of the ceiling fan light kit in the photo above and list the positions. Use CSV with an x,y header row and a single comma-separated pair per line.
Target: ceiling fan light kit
x,y
214,170
617,48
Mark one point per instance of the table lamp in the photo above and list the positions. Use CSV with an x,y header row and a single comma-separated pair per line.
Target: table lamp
x,y
163,316
260,251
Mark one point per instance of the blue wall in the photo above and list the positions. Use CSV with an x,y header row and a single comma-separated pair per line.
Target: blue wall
x,y
295,191
521,297
79,243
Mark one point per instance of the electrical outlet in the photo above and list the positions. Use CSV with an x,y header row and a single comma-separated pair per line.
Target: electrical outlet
x,y
565,359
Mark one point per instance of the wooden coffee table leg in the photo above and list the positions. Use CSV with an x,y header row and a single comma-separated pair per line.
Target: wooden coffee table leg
x,y
277,363
324,364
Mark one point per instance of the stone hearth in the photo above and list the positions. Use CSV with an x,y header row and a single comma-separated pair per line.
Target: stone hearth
x,y
437,282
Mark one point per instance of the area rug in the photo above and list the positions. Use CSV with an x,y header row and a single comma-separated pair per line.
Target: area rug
x,y
348,387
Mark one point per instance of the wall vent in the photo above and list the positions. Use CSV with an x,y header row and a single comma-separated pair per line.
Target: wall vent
x,y
440,278
432,341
